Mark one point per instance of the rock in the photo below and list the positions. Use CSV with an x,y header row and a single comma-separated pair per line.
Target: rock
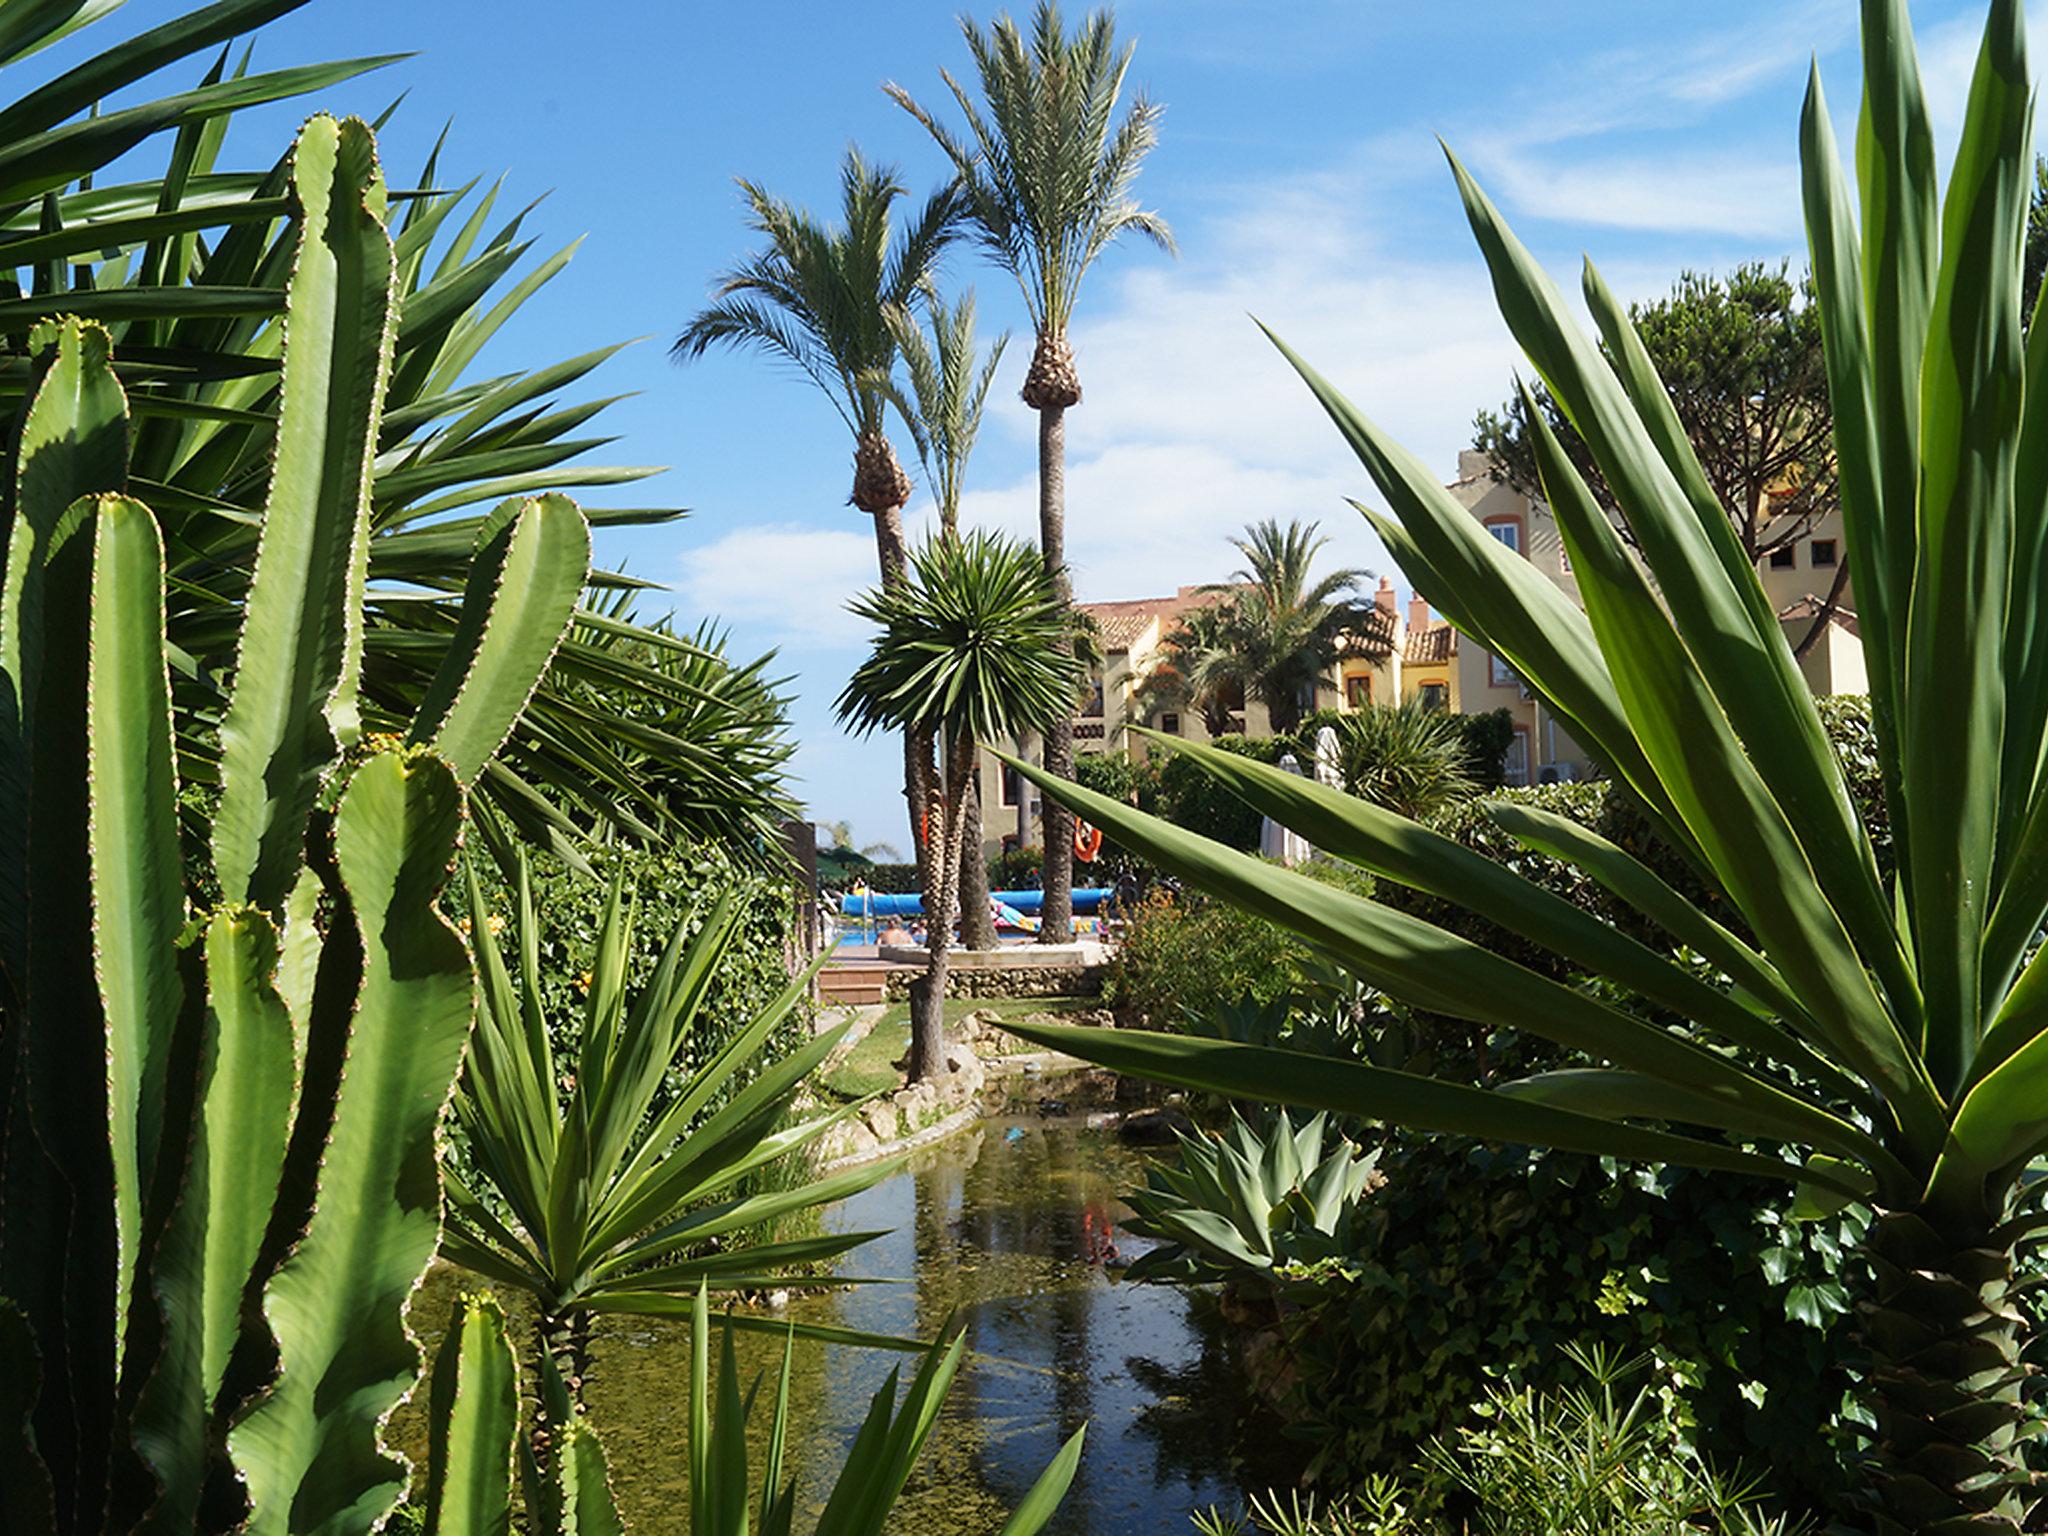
x,y
1052,1107
1154,1127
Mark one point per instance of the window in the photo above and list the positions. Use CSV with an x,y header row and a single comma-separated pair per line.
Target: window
x,y
1435,695
1358,690
1508,530
1170,723
1093,710
1821,553
1013,787
1784,557
1515,763
1500,674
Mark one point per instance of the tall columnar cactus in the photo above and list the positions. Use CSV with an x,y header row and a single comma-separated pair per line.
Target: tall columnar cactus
x,y
218,1114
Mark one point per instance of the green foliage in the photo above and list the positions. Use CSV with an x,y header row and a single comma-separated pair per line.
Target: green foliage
x,y
974,645
1478,1265
1045,169
612,1176
1488,735
724,1500
1251,1205
1183,958
1600,1454
1407,757
221,1104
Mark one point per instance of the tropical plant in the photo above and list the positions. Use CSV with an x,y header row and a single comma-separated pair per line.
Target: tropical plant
x,y
891,1438
221,1107
475,1415
941,403
1288,625
1199,665
606,1178
1046,172
1251,1205
186,265
819,297
1406,756
1890,1033
973,648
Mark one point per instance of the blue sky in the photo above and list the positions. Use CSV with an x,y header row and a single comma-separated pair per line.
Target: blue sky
x,y
1298,166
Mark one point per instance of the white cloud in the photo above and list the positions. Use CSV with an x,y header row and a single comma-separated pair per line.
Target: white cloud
x,y
786,583
1734,195
1143,519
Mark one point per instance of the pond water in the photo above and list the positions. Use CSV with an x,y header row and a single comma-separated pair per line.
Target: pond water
x,y
1003,1228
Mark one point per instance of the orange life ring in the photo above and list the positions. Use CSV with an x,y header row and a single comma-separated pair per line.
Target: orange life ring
x,y
1087,841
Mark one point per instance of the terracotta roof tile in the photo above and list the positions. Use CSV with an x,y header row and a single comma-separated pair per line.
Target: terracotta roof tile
x,y
1435,643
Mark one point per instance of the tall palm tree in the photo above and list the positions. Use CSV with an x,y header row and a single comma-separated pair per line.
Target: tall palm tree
x,y
1868,1036
1046,174
1288,624
972,647
818,296
940,400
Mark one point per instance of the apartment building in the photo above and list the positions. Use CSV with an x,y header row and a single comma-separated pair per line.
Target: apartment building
x,y
1407,652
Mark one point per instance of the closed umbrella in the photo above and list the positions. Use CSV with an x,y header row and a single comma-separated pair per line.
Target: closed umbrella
x,y
1276,841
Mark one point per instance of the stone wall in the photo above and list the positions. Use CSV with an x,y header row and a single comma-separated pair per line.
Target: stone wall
x,y
1007,981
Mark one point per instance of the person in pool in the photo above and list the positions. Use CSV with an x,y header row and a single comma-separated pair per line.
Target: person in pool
x,y
895,934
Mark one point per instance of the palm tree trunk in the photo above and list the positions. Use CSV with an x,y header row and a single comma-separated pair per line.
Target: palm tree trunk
x,y
1946,1334
1056,915
892,553
941,888
977,923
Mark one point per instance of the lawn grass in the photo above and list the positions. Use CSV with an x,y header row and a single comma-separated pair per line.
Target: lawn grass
x,y
870,1066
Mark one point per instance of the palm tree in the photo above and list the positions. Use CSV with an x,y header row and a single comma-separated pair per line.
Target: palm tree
x,y
1288,624
975,646
1870,1038
1199,666
818,296
1046,173
941,402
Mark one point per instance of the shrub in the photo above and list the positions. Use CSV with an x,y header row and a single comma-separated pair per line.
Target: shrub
x,y
1016,869
1480,1264
1183,956
892,879
1189,798
675,886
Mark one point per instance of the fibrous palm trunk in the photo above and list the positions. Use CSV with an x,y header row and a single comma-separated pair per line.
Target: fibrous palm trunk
x,y
1945,1334
941,888
881,488
1050,387
977,922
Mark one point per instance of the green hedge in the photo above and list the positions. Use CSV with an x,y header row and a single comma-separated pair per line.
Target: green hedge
x,y
1480,1263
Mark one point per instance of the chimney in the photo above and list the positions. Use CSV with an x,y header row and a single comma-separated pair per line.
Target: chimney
x,y
1418,612
1384,598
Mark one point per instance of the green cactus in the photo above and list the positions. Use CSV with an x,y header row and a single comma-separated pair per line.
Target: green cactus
x,y
218,1181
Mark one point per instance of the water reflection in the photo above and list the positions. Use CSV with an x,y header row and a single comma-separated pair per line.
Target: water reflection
x,y
1004,1229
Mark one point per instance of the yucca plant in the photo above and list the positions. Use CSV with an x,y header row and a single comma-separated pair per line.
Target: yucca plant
x,y
1248,1205
220,1102
184,262
609,1178
1890,1034
1407,756
975,646
944,388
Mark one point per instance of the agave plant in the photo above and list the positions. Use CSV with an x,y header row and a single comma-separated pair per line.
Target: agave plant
x,y
220,1104
1874,1040
627,1189
1251,1205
